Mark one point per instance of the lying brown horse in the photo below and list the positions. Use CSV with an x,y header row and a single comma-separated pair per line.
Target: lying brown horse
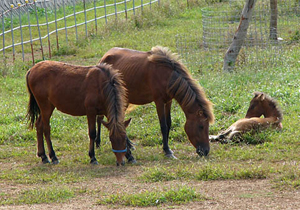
x,y
261,104
77,90
159,76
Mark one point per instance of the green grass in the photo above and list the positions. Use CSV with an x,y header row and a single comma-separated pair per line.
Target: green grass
x,y
180,195
38,196
269,155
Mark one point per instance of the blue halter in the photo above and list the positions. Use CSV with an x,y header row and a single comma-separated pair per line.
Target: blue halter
x,y
119,151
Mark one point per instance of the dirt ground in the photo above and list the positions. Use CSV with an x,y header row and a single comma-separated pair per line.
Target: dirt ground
x,y
233,194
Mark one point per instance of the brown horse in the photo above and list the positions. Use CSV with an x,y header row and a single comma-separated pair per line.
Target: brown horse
x,y
261,104
159,76
77,91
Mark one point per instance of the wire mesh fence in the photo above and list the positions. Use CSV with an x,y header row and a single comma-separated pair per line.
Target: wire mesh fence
x,y
219,26
37,23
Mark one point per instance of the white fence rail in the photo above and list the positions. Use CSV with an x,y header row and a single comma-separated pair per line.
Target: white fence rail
x,y
33,21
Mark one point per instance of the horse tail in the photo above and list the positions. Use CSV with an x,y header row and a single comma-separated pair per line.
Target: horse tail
x,y
33,110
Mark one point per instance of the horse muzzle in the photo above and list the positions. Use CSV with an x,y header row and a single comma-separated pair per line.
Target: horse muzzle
x,y
122,163
201,151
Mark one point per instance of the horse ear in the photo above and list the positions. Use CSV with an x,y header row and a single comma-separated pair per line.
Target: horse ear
x,y
127,122
105,124
261,96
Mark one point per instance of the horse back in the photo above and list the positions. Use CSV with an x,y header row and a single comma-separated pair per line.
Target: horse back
x,y
145,81
67,87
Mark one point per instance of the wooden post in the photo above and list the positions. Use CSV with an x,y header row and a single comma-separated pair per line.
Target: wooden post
x,y
239,37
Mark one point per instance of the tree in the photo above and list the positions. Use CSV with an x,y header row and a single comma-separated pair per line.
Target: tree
x,y
239,37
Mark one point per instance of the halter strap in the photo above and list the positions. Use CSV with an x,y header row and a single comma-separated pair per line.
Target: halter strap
x,y
119,151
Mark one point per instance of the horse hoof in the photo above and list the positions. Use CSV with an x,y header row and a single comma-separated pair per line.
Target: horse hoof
x,y
55,162
170,156
45,161
94,162
133,161
122,163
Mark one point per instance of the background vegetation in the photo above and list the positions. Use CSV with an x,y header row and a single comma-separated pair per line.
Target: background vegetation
x,y
269,155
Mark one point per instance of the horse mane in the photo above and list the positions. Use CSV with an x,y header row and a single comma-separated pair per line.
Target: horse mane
x,y
272,102
116,94
181,86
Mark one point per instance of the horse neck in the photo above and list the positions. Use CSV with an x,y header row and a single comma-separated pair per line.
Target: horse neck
x,y
274,113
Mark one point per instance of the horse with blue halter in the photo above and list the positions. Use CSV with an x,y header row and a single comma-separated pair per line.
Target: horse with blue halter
x,y
77,90
159,75
261,104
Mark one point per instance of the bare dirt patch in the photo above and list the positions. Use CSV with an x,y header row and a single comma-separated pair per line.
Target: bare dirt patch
x,y
232,194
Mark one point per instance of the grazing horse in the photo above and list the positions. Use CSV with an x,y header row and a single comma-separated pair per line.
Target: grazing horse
x,y
261,104
159,76
77,90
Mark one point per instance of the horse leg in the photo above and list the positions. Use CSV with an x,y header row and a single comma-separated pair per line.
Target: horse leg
x,y
46,130
92,134
168,117
98,138
40,141
160,108
128,154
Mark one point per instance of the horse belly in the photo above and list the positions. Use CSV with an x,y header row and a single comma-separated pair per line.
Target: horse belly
x,y
139,97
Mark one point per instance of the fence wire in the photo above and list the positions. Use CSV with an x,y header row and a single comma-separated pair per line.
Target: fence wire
x,y
42,18
208,49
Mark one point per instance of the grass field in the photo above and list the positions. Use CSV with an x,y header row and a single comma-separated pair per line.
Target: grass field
x,y
270,157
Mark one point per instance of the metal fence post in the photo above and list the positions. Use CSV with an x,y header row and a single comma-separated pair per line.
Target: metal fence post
x,y
46,15
142,6
95,10
12,30
133,7
38,26
29,27
125,2
66,30
56,32
3,37
21,32
75,20
105,15
115,4
85,23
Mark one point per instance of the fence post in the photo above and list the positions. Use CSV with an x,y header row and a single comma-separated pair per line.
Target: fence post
x,y
46,15
95,10
21,32
142,6
56,32
38,26
3,37
75,20
66,30
133,7
12,30
105,11
115,4
125,2
84,8
29,27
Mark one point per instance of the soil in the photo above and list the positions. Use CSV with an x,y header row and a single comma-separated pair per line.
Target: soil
x,y
232,194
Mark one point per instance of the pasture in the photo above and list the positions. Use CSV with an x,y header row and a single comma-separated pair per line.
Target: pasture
x,y
261,172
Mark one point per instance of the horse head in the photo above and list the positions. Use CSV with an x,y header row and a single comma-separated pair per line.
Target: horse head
x,y
197,128
263,104
117,136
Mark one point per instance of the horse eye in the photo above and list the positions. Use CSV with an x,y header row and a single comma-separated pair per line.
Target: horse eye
x,y
201,127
